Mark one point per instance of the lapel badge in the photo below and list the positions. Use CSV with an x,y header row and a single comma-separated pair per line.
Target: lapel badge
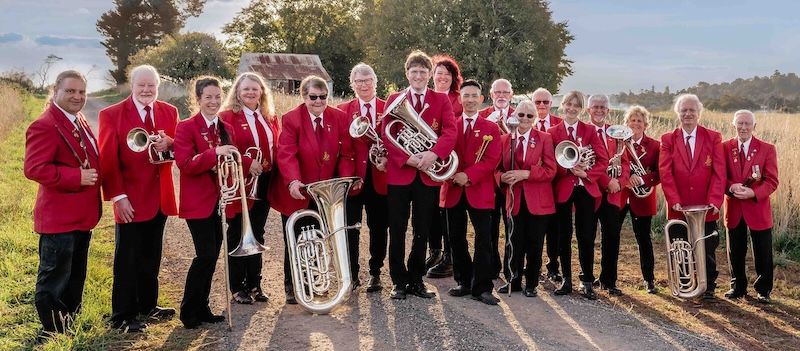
x,y
708,161
244,126
75,134
326,156
435,124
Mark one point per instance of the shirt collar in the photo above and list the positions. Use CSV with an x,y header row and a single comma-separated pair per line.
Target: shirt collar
x,y
313,118
526,135
639,142
248,112
474,116
423,92
746,143
574,126
140,106
70,116
371,103
209,123
596,128
546,118
693,133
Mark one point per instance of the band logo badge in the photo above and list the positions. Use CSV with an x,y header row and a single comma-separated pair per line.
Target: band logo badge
x,y
708,161
326,156
435,125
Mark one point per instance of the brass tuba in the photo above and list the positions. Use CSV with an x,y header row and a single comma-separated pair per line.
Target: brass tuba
x,y
361,126
139,140
686,254
415,136
569,155
319,258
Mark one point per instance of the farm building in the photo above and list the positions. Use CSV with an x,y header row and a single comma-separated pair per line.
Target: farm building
x,y
284,72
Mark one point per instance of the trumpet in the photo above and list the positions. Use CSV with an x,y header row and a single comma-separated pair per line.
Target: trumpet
x,y
139,140
569,155
621,134
361,126
686,254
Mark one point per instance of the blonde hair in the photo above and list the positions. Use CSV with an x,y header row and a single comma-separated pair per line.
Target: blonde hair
x,y
574,95
637,110
266,105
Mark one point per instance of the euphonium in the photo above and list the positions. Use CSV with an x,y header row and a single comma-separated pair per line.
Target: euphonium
x,y
640,191
415,136
361,126
569,155
621,134
319,257
139,140
686,254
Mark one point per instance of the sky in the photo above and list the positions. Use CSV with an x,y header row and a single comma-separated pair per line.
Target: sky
x,y
619,45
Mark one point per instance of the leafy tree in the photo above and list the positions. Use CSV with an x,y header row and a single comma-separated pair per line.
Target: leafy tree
x,y
182,57
136,24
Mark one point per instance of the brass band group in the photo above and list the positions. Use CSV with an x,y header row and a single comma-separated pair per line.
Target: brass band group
x,y
431,155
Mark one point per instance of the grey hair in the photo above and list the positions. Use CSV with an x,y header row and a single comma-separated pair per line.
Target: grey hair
x,y
501,80
543,90
365,69
744,112
598,97
679,100
138,70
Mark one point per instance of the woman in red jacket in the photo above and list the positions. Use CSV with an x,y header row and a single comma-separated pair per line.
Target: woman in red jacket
x,y
199,140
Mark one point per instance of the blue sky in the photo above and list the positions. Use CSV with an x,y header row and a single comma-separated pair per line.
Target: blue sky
x,y
619,45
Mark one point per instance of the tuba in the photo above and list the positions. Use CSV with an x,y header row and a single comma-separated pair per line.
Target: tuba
x,y
569,155
361,126
686,254
621,134
319,258
139,140
415,136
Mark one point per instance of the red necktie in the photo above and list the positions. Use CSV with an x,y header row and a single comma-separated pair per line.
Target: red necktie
x,y
418,103
369,114
741,156
541,126
263,141
212,132
468,130
519,153
148,120
570,131
602,137
689,149
318,130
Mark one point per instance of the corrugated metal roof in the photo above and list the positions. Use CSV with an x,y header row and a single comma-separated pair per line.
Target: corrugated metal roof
x,y
283,66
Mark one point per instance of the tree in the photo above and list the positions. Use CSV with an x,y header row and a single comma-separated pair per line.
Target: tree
x,y
182,57
44,69
136,24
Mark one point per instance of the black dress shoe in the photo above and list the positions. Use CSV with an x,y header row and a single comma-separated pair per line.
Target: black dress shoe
x,y
596,283
554,277
161,313
588,292
374,284
258,295
242,298
130,326
419,290
514,288
398,292
190,323
565,288
290,299
529,292
487,298
735,294
356,284
459,291
434,257
442,270
709,295
650,286
764,298
212,318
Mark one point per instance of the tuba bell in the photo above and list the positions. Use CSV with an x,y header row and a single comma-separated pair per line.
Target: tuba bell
x,y
686,254
139,140
319,258
569,155
415,136
361,126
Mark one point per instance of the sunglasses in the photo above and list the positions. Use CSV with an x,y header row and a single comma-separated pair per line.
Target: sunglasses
x,y
542,102
520,115
315,97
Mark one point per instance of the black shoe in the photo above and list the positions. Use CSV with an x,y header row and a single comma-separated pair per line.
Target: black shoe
x,y
190,323
588,292
290,299
419,290
42,337
734,294
434,257
554,277
130,326
764,298
258,295
650,286
514,288
212,318
242,298
709,295
442,270
356,284
595,283
565,288
459,291
161,313
529,292
398,292
612,290
486,298
374,284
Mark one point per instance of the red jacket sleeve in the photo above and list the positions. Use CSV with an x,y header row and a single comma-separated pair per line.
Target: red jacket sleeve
x,y
187,157
41,147
287,150
716,193
665,164
447,140
346,166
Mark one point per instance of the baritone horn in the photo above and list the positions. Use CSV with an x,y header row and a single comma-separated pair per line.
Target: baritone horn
x,y
415,136
361,126
139,140
640,191
686,254
319,258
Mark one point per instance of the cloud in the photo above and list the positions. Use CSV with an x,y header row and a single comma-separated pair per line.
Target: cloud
x,y
82,11
79,42
10,37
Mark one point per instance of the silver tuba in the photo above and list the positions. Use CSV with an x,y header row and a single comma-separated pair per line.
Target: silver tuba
x,y
621,134
319,257
415,136
569,155
361,126
686,254
139,140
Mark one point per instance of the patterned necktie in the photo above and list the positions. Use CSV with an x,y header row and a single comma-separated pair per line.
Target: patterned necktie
x,y
541,126
369,114
689,149
741,156
148,120
468,130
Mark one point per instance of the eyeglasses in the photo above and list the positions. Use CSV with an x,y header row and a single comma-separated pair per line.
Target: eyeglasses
x,y
362,81
542,102
501,93
315,97
520,115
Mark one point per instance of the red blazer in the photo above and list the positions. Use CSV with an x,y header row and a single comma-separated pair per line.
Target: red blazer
x,y
301,158
244,140
149,187
645,206
700,183
488,111
439,116
757,211
538,188
565,181
361,145
62,204
480,191
455,103
196,157
615,198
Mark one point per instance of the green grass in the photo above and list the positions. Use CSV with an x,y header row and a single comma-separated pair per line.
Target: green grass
x,y
110,95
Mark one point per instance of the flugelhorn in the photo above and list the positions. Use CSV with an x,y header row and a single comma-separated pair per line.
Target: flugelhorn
x,y
686,254
620,133
570,155
139,140
319,258
361,126
415,136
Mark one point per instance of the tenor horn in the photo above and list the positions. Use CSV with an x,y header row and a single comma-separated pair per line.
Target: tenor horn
x,y
361,126
320,262
139,140
686,254
569,155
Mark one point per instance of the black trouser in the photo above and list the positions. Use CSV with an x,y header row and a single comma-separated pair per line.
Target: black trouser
x,y
207,239
305,221
245,271
499,214
608,216
527,241
641,230
403,199
551,238
762,256
375,206
137,260
711,245
585,227
62,273
476,274
437,236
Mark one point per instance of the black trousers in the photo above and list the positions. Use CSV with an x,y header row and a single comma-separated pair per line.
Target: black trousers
x,y
551,240
711,245
245,271
475,273
641,230
438,239
137,261
403,199
585,227
499,214
527,241
375,206
62,273
762,255
304,221
610,226
207,238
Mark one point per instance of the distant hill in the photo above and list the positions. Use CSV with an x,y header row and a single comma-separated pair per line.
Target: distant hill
x,y
778,92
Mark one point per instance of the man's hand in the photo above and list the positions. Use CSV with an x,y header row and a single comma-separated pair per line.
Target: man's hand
x,y
744,193
413,161
636,180
579,172
88,177
164,142
735,187
358,184
381,165
613,186
255,169
677,207
427,158
511,177
224,150
124,210
714,209
460,179
294,190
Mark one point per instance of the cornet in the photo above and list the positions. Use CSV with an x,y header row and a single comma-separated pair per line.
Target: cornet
x,y
139,140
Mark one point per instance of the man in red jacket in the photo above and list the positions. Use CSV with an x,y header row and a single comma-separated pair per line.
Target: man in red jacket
x,y
692,170
751,176
61,155
409,185
143,197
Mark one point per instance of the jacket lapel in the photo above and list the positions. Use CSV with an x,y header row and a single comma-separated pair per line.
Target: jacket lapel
x,y
749,159
308,131
680,144
699,147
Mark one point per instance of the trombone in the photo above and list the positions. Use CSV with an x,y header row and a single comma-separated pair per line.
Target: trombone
x,y
139,140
